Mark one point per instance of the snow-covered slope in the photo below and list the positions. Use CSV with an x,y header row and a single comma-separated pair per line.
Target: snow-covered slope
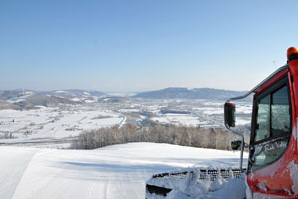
x,y
118,171
14,162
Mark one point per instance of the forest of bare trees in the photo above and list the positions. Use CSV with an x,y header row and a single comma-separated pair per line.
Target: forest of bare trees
x,y
215,138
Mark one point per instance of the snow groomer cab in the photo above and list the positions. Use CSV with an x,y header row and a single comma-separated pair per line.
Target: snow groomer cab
x,y
272,170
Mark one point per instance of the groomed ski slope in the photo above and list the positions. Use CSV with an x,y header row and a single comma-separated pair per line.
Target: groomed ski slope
x,y
112,172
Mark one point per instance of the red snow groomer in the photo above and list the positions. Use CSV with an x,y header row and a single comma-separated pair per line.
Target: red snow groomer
x,y
272,170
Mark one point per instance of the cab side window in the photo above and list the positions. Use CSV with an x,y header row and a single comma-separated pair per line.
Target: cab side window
x,y
272,126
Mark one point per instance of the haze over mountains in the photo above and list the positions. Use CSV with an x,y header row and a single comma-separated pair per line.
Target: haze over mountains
x,y
26,99
195,93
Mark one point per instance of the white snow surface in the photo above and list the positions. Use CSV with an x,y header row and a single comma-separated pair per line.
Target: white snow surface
x,y
182,119
118,171
223,189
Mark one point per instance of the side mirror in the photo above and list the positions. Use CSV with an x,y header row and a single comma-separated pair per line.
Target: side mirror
x,y
235,144
229,110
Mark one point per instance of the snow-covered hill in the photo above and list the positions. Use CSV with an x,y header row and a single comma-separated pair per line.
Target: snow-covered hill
x,y
28,99
118,171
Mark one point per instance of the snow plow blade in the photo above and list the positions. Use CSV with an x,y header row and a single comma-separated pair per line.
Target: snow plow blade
x,y
191,183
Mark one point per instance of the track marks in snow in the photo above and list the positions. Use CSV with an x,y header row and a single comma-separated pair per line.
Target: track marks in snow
x,y
10,173
118,171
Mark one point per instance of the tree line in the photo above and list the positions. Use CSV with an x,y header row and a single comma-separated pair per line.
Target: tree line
x,y
215,138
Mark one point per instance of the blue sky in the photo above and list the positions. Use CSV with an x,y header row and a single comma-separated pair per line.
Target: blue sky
x,y
143,45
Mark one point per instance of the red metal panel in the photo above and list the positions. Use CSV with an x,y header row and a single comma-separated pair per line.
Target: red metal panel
x,y
271,81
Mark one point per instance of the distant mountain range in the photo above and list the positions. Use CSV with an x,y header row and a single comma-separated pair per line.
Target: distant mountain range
x,y
185,93
74,94
27,99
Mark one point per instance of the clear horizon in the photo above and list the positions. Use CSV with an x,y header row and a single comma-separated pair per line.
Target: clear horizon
x,y
134,46
115,91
